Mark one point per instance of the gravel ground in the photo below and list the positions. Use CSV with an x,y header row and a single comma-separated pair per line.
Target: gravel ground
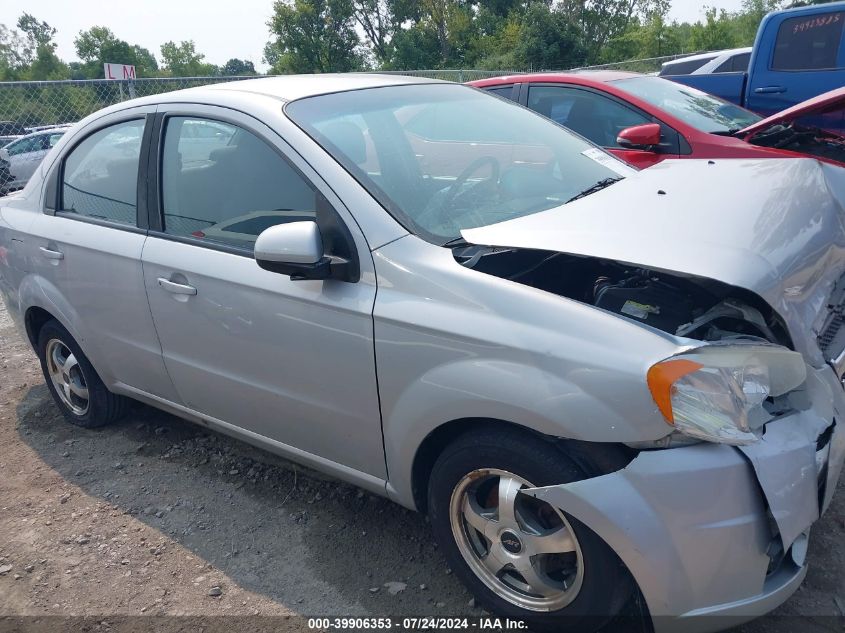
x,y
155,516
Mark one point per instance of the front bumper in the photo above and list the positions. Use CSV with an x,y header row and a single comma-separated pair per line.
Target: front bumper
x,y
715,535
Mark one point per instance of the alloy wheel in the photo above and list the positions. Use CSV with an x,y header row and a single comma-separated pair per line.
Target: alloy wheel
x,y
67,377
522,548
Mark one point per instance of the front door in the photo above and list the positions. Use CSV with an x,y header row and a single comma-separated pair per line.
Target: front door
x,y
292,361
597,117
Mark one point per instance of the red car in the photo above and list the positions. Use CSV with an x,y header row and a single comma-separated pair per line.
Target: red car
x,y
644,119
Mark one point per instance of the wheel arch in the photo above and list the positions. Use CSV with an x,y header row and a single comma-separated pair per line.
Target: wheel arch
x,y
595,458
34,319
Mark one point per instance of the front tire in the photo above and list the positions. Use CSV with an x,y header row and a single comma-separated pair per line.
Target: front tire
x,y
74,384
522,558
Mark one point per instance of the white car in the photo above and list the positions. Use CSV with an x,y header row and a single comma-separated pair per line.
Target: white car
x,y
24,155
728,61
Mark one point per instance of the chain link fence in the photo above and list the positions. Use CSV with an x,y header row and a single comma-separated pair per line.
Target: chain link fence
x,y
30,104
644,65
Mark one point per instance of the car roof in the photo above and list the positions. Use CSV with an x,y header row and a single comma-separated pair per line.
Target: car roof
x,y
692,58
598,76
52,130
290,87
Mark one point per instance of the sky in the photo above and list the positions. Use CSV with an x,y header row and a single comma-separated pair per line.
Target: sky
x,y
222,29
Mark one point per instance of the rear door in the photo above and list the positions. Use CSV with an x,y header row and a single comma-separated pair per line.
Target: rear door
x,y
88,251
291,362
599,118
805,60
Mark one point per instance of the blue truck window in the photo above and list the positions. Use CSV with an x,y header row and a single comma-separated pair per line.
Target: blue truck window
x,y
809,42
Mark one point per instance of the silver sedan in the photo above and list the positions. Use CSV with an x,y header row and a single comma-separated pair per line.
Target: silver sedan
x,y
598,383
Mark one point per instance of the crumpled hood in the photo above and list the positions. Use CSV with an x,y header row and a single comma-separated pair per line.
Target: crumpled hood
x,y
775,227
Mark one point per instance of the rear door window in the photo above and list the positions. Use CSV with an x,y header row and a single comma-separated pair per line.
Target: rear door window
x,y
100,175
809,42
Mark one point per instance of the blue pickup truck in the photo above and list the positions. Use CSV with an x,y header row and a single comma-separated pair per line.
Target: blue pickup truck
x,y
797,54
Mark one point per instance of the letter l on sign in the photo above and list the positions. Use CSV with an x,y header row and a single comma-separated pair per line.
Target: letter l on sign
x,y
119,71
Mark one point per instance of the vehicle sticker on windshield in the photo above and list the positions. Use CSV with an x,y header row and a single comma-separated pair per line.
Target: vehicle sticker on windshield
x,y
605,159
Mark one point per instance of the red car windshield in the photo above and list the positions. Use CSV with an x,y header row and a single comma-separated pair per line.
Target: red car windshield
x,y
694,107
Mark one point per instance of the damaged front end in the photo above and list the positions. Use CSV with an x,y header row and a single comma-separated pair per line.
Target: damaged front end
x,y
755,298
719,524
711,529
724,391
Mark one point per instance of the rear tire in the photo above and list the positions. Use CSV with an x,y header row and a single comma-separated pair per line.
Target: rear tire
x,y
522,558
74,384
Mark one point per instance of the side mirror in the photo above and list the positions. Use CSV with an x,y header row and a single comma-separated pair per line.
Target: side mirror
x,y
645,136
294,249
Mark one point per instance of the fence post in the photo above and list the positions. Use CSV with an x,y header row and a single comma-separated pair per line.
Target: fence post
x,y
461,76
130,83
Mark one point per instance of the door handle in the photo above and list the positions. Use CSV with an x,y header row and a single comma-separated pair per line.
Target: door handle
x,y
51,254
177,289
768,90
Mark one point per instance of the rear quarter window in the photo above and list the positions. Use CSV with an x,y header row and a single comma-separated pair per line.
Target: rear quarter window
x,y
684,67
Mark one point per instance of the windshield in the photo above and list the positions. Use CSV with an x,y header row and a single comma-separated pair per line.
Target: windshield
x,y
445,157
698,109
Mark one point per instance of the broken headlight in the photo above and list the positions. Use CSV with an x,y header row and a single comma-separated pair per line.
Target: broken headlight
x,y
716,392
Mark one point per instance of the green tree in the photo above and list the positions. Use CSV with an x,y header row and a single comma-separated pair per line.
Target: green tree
x,y
548,40
313,36
237,67
599,21
413,48
182,60
715,33
378,23
99,45
37,51
11,54
748,19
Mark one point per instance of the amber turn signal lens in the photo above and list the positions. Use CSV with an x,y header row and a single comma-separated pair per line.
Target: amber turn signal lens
x,y
662,376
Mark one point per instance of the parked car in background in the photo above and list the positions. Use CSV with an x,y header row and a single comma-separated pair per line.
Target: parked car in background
x,y
797,55
644,120
9,131
600,384
23,156
727,61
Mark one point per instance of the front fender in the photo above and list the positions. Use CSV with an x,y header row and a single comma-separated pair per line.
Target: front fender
x,y
689,524
454,343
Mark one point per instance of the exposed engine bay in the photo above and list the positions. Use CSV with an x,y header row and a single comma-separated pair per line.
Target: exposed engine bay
x,y
687,306
803,139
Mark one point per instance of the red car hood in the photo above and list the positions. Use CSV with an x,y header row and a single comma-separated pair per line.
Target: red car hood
x,y
826,102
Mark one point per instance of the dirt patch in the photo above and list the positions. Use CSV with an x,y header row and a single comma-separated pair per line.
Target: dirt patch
x,y
155,516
